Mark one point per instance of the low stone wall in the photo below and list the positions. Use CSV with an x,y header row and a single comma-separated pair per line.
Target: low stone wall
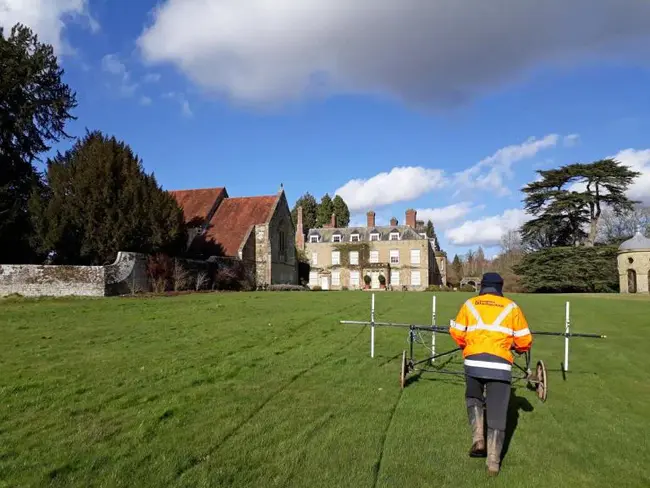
x,y
128,274
47,280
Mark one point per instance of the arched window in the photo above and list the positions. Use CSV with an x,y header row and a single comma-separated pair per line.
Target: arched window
x,y
631,281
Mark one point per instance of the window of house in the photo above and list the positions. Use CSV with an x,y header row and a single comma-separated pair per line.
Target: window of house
x,y
415,278
394,236
313,238
394,256
336,257
336,278
282,243
313,278
374,256
394,278
354,238
354,278
336,238
354,257
374,237
415,256
314,258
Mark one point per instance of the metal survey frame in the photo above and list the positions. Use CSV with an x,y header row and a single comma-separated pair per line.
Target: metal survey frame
x,y
537,380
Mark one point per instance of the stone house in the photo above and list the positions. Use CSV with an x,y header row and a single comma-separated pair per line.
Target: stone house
x,y
634,264
402,254
257,231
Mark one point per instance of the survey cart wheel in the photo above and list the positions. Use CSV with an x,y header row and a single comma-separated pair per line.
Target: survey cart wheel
x,y
542,382
404,370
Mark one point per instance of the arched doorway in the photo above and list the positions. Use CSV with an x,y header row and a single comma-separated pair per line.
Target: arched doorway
x,y
631,281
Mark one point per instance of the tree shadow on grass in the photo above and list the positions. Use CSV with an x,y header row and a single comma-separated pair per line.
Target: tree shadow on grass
x,y
516,404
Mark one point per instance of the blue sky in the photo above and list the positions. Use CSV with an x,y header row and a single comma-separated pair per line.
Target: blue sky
x,y
393,104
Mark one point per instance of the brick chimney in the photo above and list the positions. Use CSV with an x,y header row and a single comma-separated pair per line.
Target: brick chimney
x,y
300,234
371,218
393,222
411,218
333,220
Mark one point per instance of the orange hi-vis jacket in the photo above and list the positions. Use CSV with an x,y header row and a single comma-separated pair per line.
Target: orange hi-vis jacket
x,y
487,327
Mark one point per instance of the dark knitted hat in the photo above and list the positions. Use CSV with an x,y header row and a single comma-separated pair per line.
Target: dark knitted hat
x,y
491,283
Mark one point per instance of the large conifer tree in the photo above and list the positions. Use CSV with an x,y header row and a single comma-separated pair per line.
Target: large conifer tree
x,y
100,201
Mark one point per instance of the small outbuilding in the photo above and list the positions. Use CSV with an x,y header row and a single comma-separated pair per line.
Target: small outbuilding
x,y
634,264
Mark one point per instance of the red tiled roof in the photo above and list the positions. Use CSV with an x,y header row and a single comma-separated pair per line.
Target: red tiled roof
x,y
234,218
196,204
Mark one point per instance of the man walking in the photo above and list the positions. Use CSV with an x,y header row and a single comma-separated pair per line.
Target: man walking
x,y
487,327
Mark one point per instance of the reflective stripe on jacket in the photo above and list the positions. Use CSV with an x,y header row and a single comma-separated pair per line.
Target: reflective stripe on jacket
x,y
487,327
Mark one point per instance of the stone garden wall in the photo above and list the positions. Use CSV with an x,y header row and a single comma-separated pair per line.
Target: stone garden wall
x,y
127,275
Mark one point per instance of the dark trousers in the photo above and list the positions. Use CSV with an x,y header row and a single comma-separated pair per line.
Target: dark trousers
x,y
496,399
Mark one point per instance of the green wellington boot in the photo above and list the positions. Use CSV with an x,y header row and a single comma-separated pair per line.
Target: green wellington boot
x,y
476,420
495,440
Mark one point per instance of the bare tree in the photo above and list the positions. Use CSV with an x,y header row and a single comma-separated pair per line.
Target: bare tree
x,y
201,280
613,228
180,276
511,242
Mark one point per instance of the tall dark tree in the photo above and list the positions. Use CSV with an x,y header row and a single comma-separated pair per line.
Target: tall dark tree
x,y
480,262
35,104
457,267
342,211
568,202
309,210
100,201
325,211
431,234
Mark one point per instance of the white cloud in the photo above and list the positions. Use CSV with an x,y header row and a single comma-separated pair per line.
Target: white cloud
x,y
407,183
112,65
442,217
47,18
571,140
400,184
637,160
144,100
152,78
488,230
422,51
491,172
186,110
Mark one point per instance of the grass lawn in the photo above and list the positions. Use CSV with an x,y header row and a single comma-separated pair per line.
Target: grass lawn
x,y
268,389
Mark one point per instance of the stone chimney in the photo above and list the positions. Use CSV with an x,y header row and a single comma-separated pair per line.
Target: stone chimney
x,y
300,234
411,218
371,219
393,222
333,220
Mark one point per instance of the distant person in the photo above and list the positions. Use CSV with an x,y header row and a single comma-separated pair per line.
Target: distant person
x,y
487,327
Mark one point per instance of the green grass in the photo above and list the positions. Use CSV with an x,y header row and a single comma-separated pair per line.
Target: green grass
x,y
268,389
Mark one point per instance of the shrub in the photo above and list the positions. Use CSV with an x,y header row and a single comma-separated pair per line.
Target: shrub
x,y
181,276
316,288
232,277
286,288
467,288
367,279
202,280
160,269
570,270
438,288
382,279
344,288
